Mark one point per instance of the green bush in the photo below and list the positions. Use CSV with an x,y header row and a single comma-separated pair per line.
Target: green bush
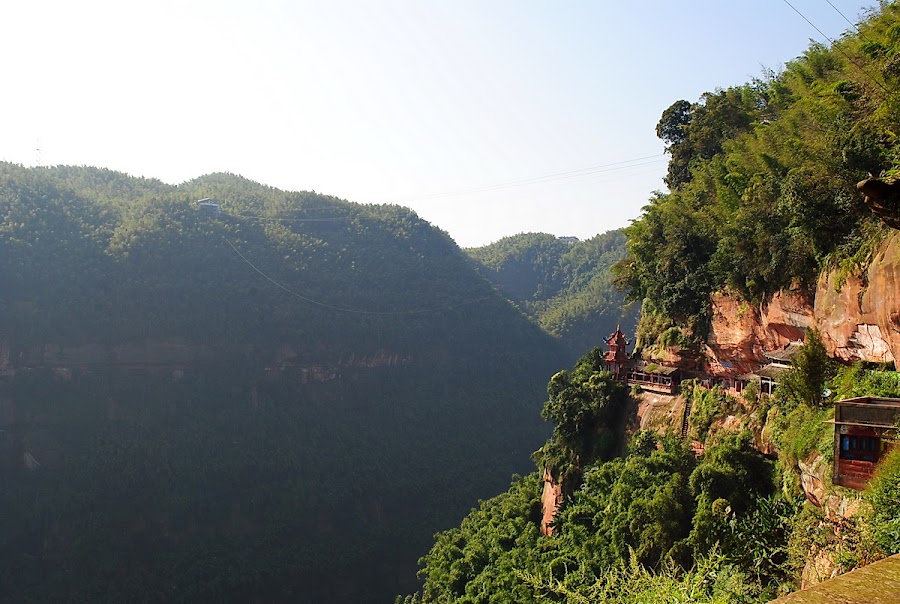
x,y
707,405
884,496
856,381
711,581
799,433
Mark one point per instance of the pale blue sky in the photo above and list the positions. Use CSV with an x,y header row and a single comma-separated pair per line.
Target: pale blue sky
x,y
398,101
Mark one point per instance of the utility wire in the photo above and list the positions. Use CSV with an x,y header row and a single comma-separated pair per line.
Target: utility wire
x,y
619,166
839,49
852,24
352,310
334,219
600,168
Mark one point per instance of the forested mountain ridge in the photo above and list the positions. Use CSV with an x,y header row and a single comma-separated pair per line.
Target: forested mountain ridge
x,y
304,240
563,284
256,405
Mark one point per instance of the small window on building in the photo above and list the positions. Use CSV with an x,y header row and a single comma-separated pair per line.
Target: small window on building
x,y
865,448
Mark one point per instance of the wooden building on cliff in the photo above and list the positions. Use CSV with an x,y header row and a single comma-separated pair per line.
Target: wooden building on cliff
x,y
653,377
650,376
780,361
616,358
864,429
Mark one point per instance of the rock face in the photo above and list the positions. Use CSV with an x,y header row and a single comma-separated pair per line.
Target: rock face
x,y
551,499
883,198
741,333
823,562
860,320
813,478
657,412
858,317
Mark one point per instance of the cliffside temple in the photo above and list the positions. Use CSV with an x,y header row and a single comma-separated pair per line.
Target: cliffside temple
x,y
864,427
779,362
665,378
656,378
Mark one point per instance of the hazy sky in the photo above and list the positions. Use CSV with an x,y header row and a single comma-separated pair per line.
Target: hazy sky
x,y
456,108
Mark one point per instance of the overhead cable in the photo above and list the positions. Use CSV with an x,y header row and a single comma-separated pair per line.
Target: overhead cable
x,y
837,47
354,310
590,170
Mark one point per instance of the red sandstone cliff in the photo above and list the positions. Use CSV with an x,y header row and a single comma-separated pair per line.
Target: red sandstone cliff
x,y
741,333
860,320
551,499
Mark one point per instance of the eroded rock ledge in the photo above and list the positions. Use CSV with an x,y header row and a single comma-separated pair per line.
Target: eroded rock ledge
x,y
858,317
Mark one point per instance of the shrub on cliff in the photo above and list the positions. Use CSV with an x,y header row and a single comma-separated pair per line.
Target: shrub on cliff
x,y
884,496
810,371
711,581
856,381
583,406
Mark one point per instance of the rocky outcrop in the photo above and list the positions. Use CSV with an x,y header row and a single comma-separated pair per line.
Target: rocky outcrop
x,y
657,412
379,358
5,357
860,317
175,356
551,499
883,198
740,333
814,479
146,354
838,511
821,565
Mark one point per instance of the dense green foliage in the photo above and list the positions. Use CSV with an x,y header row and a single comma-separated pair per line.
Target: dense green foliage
x,y
711,581
564,285
810,371
176,426
646,517
656,520
762,178
855,380
707,405
585,407
884,496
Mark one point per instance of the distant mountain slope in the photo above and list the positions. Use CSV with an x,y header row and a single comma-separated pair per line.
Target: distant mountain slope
x,y
280,403
563,284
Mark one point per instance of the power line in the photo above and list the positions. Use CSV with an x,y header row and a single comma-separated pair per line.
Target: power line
x,y
277,219
353,310
609,168
852,24
596,169
835,46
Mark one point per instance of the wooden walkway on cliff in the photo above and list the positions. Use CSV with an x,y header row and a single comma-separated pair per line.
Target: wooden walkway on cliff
x,y
877,583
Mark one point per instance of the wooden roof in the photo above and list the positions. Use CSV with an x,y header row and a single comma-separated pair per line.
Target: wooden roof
x,y
786,354
879,401
658,369
771,371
